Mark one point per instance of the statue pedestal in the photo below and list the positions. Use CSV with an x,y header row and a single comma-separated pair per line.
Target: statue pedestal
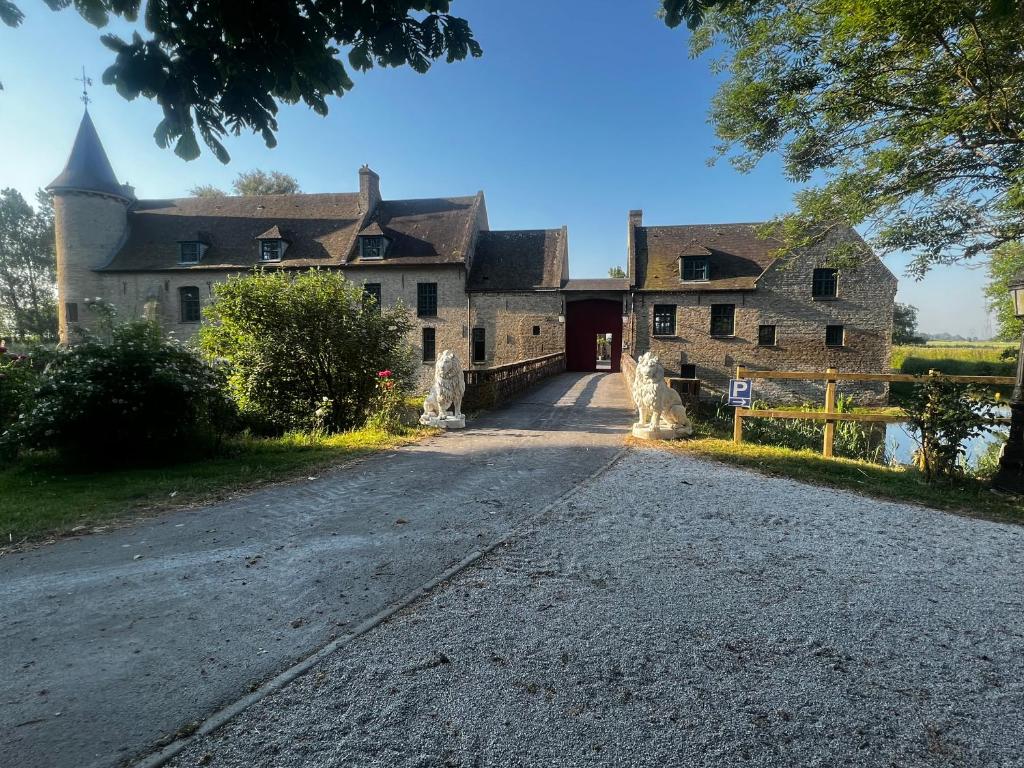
x,y
443,422
645,432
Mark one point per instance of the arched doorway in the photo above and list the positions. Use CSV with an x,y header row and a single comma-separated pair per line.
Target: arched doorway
x,y
585,322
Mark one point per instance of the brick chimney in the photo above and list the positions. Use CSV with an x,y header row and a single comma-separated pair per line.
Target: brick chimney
x,y
636,219
369,190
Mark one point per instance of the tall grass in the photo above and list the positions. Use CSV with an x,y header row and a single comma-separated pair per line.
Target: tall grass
x,y
973,360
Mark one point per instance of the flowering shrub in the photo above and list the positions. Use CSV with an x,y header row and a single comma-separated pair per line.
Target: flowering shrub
x,y
296,342
136,398
388,402
19,377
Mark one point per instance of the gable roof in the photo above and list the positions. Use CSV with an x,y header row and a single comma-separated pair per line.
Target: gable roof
x,y
518,260
321,228
88,169
736,256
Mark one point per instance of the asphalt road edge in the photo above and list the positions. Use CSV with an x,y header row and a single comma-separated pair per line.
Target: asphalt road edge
x,y
279,681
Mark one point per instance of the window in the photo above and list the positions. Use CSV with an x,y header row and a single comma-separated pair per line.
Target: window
x,y
429,346
190,252
189,299
766,335
372,291
695,267
825,284
271,250
479,345
835,335
664,319
536,330
70,312
426,299
371,247
723,319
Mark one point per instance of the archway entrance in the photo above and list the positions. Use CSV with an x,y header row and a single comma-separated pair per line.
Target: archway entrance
x,y
593,329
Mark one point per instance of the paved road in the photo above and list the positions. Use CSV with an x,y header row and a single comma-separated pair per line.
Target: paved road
x,y
103,655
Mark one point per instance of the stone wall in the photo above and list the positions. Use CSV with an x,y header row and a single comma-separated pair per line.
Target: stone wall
x,y
783,298
511,319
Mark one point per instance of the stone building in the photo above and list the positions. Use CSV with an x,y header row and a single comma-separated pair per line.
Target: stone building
x,y
706,298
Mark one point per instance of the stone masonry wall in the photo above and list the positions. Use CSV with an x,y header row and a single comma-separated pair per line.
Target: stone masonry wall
x,y
510,320
783,298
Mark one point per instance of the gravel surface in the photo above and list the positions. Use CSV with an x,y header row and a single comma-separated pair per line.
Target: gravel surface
x,y
718,618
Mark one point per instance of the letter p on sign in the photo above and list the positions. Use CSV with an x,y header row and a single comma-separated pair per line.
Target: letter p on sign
x,y
741,392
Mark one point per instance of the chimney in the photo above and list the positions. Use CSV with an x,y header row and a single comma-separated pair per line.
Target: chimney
x,y
636,218
369,190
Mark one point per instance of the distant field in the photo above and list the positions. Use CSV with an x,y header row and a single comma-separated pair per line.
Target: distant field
x,y
969,344
977,359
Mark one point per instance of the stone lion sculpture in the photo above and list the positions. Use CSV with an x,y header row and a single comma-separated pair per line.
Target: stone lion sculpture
x,y
661,409
445,393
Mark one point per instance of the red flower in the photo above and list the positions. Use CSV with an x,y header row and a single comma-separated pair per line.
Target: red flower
x,y
384,374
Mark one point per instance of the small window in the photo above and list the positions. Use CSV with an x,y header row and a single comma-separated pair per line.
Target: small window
x,y
479,345
271,250
766,335
687,370
536,330
825,284
695,268
372,291
429,346
371,247
190,252
723,319
426,299
664,319
70,312
835,336
189,299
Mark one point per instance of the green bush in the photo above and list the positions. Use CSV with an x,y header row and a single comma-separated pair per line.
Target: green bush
x,y
19,378
303,351
136,398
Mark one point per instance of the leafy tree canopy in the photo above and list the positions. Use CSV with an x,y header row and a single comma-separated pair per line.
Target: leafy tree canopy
x,y
28,268
1007,260
616,272
912,112
254,182
904,325
222,66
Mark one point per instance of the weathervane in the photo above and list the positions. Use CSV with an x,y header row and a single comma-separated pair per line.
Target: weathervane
x,y
86,82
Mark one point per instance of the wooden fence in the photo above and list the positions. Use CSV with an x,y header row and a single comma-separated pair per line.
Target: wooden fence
x,y
831,376
486,387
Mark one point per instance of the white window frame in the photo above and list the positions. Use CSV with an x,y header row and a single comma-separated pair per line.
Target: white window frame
x,y
281,246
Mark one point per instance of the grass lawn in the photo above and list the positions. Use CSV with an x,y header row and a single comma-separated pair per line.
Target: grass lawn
x,y
968,496
39,499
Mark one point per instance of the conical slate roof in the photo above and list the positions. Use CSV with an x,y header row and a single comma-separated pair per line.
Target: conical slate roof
x,y
88,169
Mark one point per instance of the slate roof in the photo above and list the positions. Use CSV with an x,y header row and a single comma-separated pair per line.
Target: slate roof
x,y
88,169
737,256
519,260
597,284
321,228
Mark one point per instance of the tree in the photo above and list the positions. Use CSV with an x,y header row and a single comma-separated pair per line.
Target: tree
x,y
616,272
220,66
912,111
904,325
1007,260
304,351
254,182
28,268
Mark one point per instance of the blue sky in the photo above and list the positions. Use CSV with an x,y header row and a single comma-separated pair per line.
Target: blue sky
x,y
578,111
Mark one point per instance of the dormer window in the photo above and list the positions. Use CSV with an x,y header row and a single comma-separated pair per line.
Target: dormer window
x,y
372,247
271,250
190,251
695,268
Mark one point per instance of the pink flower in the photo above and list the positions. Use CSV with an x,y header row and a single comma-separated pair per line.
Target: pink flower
x,y
384,374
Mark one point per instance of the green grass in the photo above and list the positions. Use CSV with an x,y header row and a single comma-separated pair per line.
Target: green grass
x,y
978,359
968,496
38,498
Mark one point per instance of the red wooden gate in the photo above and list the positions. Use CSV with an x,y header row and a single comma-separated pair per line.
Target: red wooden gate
x,y
584,320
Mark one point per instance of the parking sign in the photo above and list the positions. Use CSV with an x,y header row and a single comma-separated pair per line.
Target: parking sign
x,y
741,392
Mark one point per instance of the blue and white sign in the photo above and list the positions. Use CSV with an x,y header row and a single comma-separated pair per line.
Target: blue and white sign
x,y
741,392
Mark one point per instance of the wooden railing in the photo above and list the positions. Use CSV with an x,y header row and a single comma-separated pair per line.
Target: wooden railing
x,y
831,376
487,387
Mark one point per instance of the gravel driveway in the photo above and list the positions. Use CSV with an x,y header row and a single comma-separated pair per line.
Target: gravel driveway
x,y
678,612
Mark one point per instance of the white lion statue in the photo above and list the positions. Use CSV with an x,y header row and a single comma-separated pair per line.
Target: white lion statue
x,y
661,409
445,393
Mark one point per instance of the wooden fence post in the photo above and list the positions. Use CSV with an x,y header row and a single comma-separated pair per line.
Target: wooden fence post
x,y
830,407
737,421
